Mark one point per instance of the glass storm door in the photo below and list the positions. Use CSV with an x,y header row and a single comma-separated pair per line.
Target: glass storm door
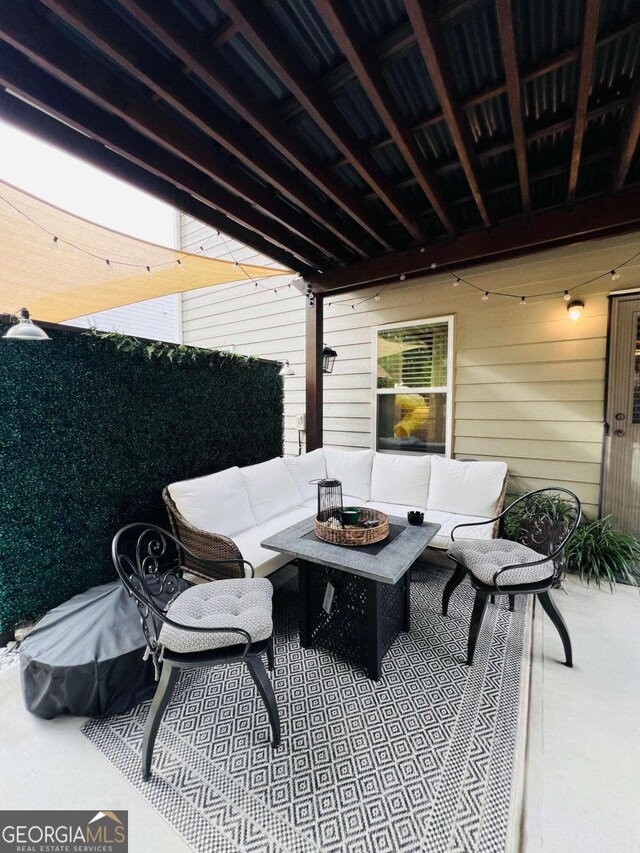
x,y
621,484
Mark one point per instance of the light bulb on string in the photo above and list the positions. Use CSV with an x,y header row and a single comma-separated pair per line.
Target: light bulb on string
x,y
615,275
402,277
422,249
53,243
180,265
235,265
485,296
567,296
523,300
433,265
107,264
148,270
377,297
456,282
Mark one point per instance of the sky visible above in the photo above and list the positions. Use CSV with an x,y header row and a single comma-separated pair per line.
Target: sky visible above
x,y
74,185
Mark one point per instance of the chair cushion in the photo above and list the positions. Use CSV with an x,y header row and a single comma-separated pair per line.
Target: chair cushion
x,y
466,488
399,479
352,468
484,557
271,489
309,466
217,503
233,603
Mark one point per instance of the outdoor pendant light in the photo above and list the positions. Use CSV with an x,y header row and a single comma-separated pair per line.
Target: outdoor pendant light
x,y
25,329
575,309
286,369
328,359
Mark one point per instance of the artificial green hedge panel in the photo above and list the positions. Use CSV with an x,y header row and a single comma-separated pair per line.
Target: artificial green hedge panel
x,y
90,434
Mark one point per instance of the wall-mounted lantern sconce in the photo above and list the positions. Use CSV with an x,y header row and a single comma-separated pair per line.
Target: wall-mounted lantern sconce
x,y
328,359
24,329
286,369
575,309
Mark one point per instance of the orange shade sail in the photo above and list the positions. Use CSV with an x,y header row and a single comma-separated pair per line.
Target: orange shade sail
x,y
67,278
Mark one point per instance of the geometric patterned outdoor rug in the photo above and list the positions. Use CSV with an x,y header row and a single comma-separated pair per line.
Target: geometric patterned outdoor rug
x,y
423,760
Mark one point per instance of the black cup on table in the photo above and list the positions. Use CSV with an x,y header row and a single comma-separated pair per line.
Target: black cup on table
x,y
415,517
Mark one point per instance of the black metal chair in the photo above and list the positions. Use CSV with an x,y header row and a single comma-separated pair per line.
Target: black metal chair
x,y
531,563
193,625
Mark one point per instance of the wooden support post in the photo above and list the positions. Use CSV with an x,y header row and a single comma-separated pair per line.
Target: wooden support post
x,y
313,394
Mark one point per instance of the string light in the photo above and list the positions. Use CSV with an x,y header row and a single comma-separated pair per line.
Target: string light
x,y
422,249
485,296
567,296
377,297
148,269
402,277
108,264
523,300
433,265
54,242
180,265
615,275
456,282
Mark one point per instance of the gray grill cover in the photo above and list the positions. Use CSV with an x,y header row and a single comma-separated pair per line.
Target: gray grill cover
x,y
85,657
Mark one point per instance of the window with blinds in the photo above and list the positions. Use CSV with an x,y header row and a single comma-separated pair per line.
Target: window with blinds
x,y
413,374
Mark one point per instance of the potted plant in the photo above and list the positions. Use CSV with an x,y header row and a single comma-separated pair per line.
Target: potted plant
x,y
598,552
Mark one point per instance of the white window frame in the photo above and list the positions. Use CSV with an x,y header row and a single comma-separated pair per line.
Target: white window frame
x,y
446,389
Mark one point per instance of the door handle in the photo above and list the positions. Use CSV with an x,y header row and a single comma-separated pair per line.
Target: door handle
x,y
619,433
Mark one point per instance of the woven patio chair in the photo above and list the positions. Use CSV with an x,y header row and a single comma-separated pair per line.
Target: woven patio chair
x,y
531,564
211,556
190,626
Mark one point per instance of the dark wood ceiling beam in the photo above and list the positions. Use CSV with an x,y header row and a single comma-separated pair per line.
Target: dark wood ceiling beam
x,y
434,53
514,95
120,43
236,194
20,75
628,140
194,51
259,29
585,76
51,130
337,17
589,220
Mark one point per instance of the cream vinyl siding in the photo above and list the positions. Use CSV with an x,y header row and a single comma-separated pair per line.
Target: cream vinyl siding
x,y
157,319
528,382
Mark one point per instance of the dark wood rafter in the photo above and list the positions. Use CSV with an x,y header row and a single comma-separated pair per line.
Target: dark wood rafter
x,y
434,53
35,121
19,75
257,27
338,18
585,76
246,200
314,377
514,94
194,51
591,219
120,43
628,140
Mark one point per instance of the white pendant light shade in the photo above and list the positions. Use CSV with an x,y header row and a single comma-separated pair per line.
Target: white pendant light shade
x,y
24,329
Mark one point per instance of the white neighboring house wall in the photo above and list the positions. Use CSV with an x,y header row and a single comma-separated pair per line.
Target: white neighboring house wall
x,y
267,321
157,319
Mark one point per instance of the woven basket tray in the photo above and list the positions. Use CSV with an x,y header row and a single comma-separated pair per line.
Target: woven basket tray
x,y
352,536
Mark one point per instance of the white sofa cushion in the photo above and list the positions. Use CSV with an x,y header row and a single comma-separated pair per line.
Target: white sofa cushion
x,y
309,466
271,489
448,520
264,561
347,500
352,468
217,503
465,488
399,479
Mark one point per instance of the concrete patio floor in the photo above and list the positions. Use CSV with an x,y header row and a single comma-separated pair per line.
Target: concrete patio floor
x,y
583,753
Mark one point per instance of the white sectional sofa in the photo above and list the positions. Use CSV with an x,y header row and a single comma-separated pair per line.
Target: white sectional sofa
x,y
248,504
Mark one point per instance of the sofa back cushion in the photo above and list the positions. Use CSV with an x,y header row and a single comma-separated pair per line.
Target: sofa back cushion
x,y
399,479
309,466
217,503
271,489
352,468
465,488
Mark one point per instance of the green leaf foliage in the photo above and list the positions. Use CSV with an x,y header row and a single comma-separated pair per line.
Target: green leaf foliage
x,y
599,553
93,427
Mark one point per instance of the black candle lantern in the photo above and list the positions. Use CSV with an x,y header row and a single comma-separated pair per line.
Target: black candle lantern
x,y
330,501
328,359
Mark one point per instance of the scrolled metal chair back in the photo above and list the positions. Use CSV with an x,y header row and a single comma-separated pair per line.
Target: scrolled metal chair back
x,y
544,520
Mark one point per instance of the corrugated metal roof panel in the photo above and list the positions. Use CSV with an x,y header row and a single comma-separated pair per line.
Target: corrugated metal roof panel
x,y
392,162
320,144
242,58
615,12
550,191
454,183
376,17
304,27
549,151
436,144
500,168
414,197
504,204
359,112
615,65
545,28
593,178
472,40
466,214
410,84
603,130
490,122
351,177
551,97
202,13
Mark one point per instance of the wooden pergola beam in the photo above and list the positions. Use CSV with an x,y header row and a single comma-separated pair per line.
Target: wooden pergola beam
x,y
599,217
628,140
256,25
514,95
33,120
119,42
234,193
19,75
313,372
337,17
162,20
434,53
585,75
